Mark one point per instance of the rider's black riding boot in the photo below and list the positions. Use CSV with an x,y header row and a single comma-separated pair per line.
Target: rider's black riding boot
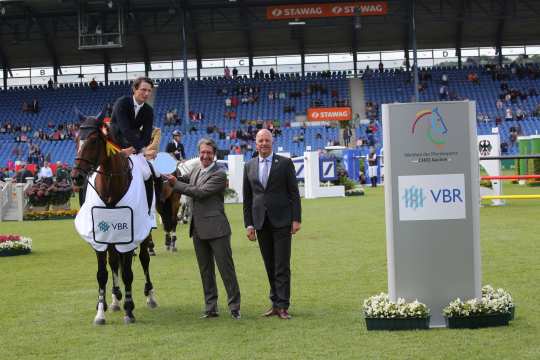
x,y
149,186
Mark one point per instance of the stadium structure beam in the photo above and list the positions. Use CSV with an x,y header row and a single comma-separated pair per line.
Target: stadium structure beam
x,y
139,32
459,30
106,66
45,33
244,18
406,33
500,30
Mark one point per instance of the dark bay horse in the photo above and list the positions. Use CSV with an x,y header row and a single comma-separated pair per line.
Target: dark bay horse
x,y
112,181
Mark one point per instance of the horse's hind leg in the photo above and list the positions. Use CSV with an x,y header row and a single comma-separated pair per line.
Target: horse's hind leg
x,y
144,257
101,276
114,263
127,278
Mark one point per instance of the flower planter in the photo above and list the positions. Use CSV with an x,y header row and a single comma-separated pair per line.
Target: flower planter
x,y
480,321
512,313
397,324
14,252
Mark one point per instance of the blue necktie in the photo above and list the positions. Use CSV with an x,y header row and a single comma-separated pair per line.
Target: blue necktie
x,y
264,176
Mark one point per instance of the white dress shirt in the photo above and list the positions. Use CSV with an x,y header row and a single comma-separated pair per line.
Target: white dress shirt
x,y
136,106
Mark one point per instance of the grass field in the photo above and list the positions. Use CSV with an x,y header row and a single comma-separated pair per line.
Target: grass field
x,y
48,298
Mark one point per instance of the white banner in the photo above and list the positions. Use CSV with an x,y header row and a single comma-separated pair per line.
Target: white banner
x,y
112,225
431,197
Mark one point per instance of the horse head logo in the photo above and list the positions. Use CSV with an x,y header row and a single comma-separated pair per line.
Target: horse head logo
x,y
436,130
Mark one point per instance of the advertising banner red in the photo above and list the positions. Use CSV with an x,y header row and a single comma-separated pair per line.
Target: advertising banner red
x,y
329,114
307,11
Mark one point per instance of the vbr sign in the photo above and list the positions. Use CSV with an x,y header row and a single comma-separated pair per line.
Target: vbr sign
x,y
431,197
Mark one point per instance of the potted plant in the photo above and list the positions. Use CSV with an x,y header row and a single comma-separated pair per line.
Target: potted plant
x,y
11,245
382,314
504,296
492,309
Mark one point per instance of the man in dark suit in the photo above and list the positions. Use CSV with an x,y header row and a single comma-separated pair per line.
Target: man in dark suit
x,y
131,127
272,214
210,228
175,147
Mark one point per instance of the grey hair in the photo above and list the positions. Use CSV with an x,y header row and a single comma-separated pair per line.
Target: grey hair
x,y
209,142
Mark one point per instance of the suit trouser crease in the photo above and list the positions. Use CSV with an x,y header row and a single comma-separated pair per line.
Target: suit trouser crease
x,y
218,249
275,246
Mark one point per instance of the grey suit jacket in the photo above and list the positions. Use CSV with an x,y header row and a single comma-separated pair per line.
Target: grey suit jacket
x,y
208,220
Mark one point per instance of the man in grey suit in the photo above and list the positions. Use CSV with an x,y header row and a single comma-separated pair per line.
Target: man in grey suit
x,y
210,228
272,214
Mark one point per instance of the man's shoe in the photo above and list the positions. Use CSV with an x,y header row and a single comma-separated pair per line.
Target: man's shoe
x,y
283,314
235,314
209,314
270,312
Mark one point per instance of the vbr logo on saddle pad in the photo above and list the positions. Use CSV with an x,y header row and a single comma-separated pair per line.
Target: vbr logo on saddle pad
x,y
432,123
431,197
112,225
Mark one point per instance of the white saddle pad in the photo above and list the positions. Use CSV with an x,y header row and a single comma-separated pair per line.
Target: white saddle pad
x,y
125,226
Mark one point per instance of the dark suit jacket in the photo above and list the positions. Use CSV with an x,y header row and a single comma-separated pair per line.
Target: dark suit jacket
x,y
128,130
171,148
208,215
280,201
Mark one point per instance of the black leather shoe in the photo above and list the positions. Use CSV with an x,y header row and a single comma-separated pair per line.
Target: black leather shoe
x,y
209,314
235,314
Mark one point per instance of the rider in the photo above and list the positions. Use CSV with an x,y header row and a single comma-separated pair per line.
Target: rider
x,y
131,127
175,147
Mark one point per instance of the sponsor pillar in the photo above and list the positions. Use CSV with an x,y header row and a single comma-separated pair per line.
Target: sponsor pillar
x,y
431,200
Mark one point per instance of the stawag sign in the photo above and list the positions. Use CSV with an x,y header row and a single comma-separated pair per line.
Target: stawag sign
x,y
329,114
431,197
307,11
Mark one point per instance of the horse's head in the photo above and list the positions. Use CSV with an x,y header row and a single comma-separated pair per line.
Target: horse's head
x,y
92,143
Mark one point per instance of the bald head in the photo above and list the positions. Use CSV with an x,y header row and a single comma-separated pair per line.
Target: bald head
x,y
263,142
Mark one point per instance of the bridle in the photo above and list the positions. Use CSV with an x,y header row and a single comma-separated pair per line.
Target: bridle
x,y
94,166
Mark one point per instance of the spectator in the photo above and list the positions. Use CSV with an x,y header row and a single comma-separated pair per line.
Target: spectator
x,y
272,74
22,174
227,72
93,84
443,92
509,116
499,104
234,72
381,67
61,172
35,106
444,79
50,83
520,114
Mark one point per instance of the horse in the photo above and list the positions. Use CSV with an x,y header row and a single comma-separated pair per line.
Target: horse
x,y
174,206
112,176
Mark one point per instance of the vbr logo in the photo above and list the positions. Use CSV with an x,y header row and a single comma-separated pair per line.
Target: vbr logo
x,y
414,198
277,12
103,226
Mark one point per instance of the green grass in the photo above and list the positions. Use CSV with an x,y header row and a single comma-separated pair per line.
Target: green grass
x,y
48,298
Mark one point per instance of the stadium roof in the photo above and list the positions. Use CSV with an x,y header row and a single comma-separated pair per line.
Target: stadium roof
x,y
45,32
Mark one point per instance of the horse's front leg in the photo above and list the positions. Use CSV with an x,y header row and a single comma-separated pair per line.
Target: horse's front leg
x,y
127,278
114,263
102,276
144,257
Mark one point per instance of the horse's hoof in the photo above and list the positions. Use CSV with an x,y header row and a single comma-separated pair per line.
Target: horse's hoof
x,y
167,248
151,303
100,321
174,249
115,307
129,319
151,252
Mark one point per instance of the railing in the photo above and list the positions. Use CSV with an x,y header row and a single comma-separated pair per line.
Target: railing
x,y
5,197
